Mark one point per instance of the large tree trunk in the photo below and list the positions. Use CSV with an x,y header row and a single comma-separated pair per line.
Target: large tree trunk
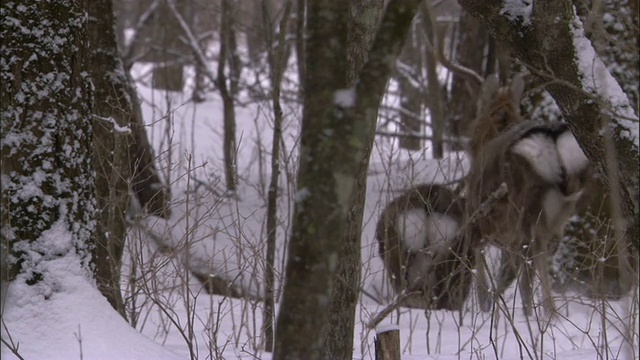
x,y
321,209
548,48
111,137
362,26
48,193
335,147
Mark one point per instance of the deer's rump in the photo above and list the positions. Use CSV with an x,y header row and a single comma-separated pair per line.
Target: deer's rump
x,y
422,252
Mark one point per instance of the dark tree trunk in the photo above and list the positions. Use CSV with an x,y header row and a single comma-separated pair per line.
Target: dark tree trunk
x,y
470,53
370,86
277,60
146,184
321,209
301,41
47,177
336,144
362,27
411,96
111,137
434,98
229,114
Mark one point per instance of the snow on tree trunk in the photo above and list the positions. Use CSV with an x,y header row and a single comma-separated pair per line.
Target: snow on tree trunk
x,y
51,307
47,179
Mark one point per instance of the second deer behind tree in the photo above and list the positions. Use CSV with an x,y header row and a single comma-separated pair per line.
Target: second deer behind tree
x,y
544,170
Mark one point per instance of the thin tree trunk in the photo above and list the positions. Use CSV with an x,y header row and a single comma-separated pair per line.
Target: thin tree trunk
x,y
154,196
229,114
363,22
324,188
434,98
470,50
411,96
277,64
301,41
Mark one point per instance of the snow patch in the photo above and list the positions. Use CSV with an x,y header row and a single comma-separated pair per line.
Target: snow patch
x,y
518,11
598,81
345,98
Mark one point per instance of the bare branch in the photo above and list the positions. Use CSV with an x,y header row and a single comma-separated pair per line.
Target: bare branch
x,y
127,53
193,43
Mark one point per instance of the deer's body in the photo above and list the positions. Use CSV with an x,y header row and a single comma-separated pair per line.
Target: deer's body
x,y
421,252
544,170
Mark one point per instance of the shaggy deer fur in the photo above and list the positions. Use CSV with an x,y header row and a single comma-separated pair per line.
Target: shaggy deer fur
x,y
544,170
415,228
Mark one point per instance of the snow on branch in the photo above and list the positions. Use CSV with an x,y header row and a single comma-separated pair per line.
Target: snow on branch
x,y
117,128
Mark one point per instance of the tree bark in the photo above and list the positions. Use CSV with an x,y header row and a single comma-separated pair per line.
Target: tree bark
x,y
470,49
277,61
362,26
301,21
434,98
47,177
111,137
546,46
154,196
229,114
324,188
336,143
411,95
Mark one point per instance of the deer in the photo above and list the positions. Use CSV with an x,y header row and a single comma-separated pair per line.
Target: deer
x,y
544,170
426,260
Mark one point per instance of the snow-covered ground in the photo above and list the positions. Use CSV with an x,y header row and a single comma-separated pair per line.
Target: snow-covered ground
x,y
176,319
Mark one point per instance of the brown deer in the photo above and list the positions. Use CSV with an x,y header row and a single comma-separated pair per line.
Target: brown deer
x,y
544,170
413,231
